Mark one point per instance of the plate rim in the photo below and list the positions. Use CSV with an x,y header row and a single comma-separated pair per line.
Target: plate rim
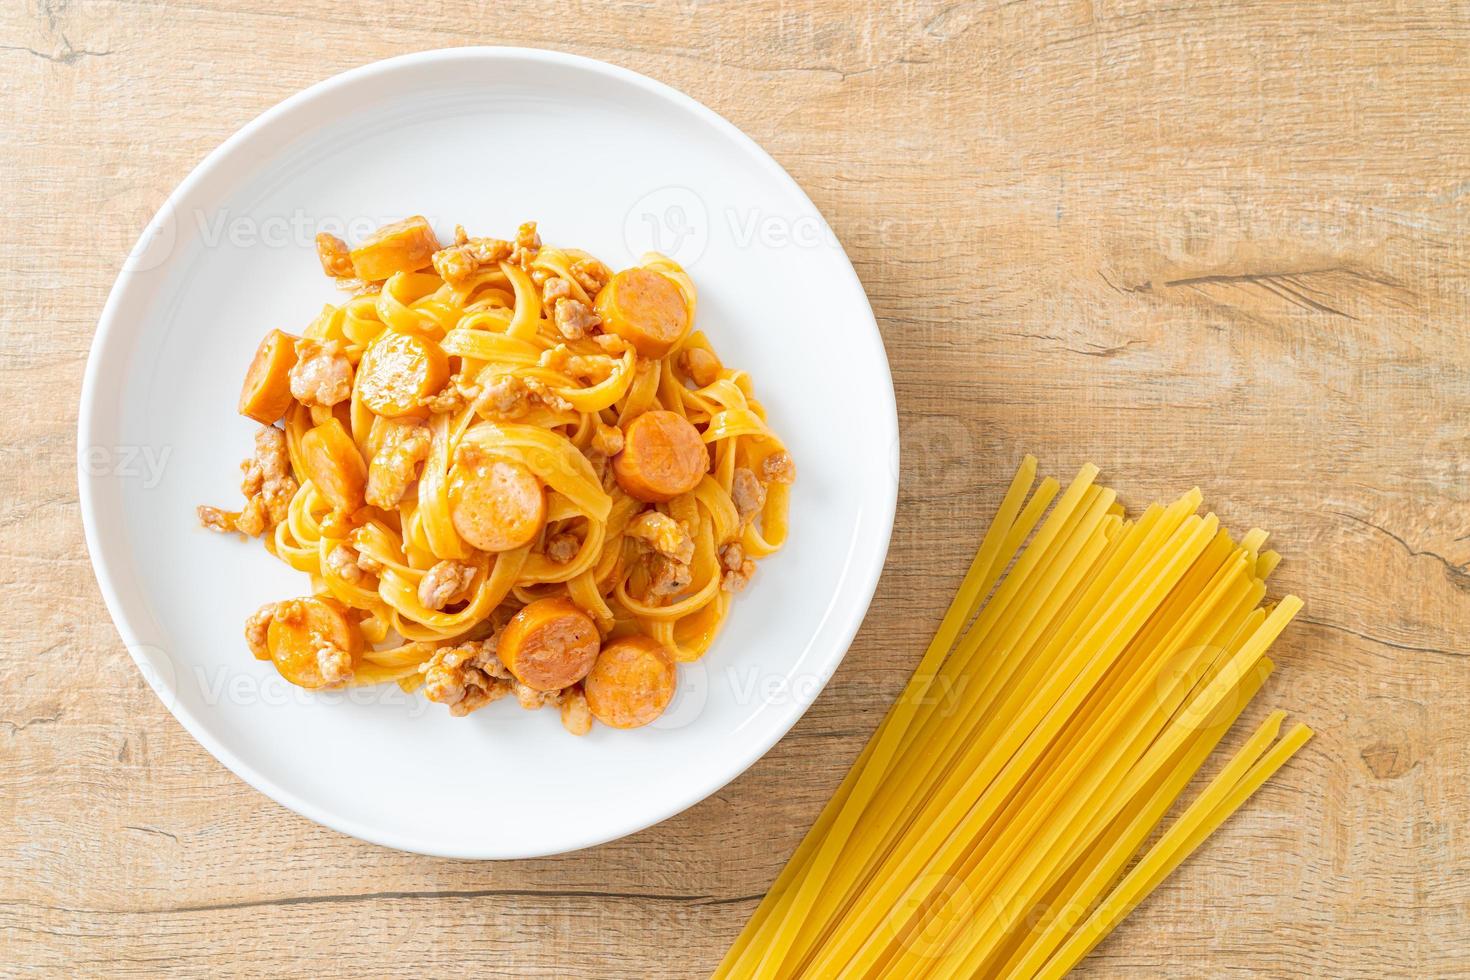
x,y
89,483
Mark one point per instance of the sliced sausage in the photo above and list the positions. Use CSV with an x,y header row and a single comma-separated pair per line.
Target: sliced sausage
x,y
632,682
312,642
496,504
332,462
403,246
398,371
663,456
266,393
645,309
549,645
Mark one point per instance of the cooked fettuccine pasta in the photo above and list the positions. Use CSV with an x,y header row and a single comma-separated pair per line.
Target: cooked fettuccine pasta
x,y
507,470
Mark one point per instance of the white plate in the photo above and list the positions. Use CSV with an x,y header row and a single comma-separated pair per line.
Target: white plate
x,y
607,160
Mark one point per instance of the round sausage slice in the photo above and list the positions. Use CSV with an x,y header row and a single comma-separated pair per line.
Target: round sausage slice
x,y
266,394
332,462
549,645
663,456
496,504
632,682
312,642
645,309
403,246
398,371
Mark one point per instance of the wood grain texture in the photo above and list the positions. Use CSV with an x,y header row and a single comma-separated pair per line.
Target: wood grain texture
x,y
1220,244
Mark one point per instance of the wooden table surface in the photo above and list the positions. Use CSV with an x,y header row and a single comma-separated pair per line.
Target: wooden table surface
x,y
1220,244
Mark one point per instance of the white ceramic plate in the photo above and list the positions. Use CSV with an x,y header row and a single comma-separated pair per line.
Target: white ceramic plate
x,y
606,160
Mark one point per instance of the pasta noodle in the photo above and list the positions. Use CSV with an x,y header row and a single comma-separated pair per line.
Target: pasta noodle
x,y
988,827
502,433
